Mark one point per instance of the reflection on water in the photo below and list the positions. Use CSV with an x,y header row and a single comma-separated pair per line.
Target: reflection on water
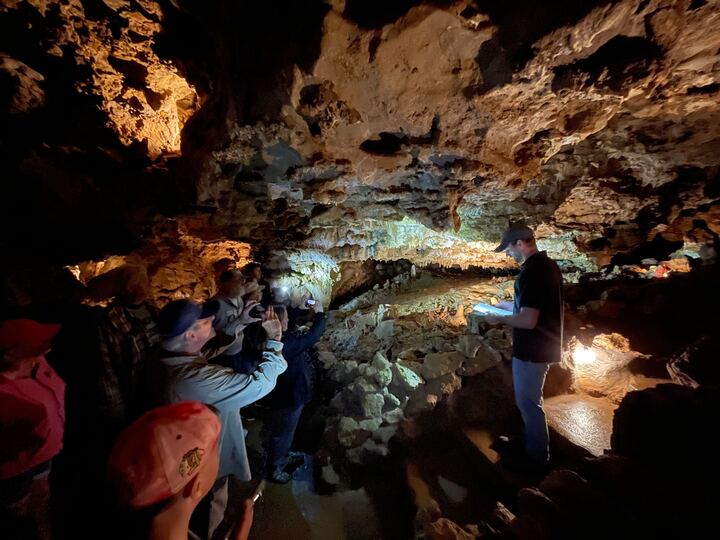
x,y
585,421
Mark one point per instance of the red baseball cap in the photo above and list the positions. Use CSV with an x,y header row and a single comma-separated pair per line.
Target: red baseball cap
x,y
23,338
159,453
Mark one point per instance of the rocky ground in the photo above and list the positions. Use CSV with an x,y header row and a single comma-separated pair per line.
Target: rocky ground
x,y
417,400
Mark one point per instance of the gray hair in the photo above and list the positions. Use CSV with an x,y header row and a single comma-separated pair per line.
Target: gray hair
x,y
174,344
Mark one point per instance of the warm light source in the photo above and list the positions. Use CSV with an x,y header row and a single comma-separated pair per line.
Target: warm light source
x,y
583,355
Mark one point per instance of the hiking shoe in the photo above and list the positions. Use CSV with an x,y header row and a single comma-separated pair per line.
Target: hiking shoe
x,y
279,477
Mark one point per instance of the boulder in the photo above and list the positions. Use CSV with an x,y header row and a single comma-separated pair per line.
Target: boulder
x,y
370,424
372,405
482,356
385,329
365,385
343,372
443,385
404,379
385,433
437,365
383,367
393,416
391,402
327,359
350,433
408,355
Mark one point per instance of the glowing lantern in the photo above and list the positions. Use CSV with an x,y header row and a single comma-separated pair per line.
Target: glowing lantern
x,y
583,355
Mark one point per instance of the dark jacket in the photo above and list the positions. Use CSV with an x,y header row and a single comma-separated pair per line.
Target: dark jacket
x,y
294,387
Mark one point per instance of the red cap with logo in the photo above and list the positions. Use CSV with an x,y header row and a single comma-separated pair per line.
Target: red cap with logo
x,y
158,454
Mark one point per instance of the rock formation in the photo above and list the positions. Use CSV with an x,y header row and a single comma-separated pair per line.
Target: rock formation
x,y
366,131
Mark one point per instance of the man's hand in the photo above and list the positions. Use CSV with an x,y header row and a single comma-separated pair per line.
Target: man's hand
x,y
242,529
318,307
492,319
273,327
269,314
245,317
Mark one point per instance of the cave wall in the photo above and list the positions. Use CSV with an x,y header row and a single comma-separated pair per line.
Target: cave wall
x,y
413,129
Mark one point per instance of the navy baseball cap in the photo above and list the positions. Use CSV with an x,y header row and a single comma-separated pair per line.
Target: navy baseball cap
x,y
179,315
513,234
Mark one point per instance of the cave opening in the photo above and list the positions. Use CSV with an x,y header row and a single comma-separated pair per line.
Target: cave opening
x,y
358,269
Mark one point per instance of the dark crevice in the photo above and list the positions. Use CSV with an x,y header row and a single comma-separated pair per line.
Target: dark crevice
x,y
706,89
618,63
520,24
372,47
385,143
642,5
135,74
658,248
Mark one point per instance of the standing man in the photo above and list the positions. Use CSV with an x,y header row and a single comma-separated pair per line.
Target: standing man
x,y
537,323
186,327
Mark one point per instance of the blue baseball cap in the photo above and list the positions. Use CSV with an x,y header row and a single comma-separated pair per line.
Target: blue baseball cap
x,y
179,315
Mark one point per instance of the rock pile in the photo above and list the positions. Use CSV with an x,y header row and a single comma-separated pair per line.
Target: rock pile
x,y
391,362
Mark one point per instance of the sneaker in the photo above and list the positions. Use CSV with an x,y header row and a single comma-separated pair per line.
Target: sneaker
x,y
279,477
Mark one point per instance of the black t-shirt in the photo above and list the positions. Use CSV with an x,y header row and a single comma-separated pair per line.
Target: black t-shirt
x,y
539,286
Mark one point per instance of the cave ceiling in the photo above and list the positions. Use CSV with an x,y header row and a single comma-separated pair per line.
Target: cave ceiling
x,y
365,129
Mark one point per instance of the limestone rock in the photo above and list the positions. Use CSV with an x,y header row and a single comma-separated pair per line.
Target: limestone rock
x,y
391,402
372,405
444,385
365,385
385,329
407,355
370,424
405,378
437,365
384,375
393,416
27,93
327,359
481,362
480,354
349,432
385,433
343,372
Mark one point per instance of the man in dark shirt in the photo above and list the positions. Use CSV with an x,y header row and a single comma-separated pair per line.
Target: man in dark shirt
x,y
537,323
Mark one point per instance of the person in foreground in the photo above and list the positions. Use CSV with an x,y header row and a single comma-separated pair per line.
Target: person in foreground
x,y
163,464
537,323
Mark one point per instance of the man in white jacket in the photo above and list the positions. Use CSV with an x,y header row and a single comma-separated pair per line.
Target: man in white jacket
x,y
185,328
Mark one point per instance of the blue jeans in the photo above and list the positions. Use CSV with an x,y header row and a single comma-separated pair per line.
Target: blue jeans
x,y
528,379
280,427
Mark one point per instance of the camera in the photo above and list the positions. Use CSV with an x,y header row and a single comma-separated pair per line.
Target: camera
x,y
256,312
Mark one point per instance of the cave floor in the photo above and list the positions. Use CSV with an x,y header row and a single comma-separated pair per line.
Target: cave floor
x,y
583,420
450,462
296,511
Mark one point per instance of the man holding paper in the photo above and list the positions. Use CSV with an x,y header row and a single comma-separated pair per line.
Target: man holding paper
x,y
537,322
